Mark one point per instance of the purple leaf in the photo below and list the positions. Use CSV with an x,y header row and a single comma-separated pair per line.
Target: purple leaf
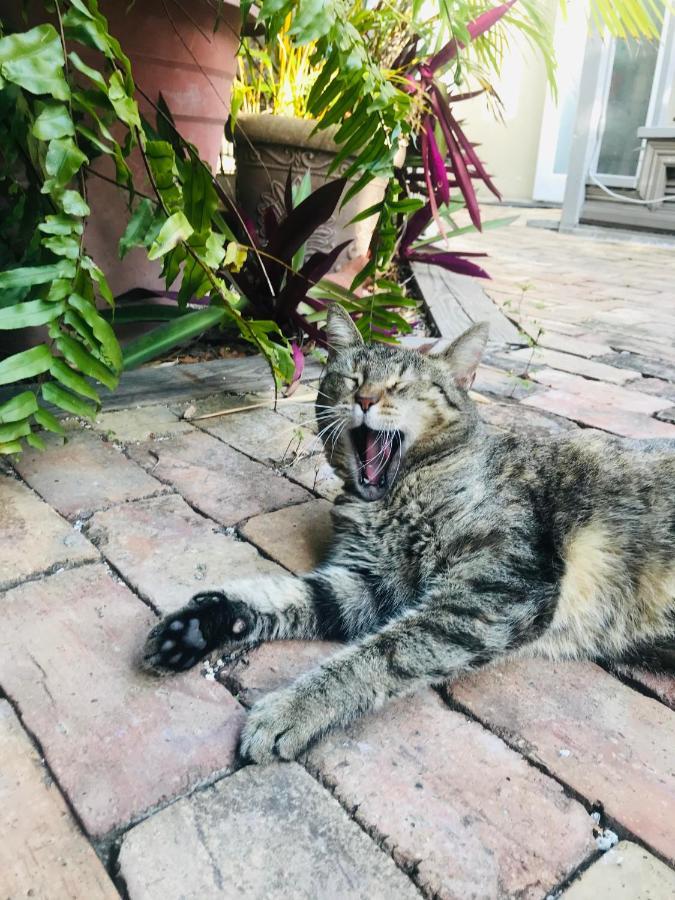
x,y
436,163
297,285
270,223
479,26
299,360
415,226
303,221
288,191
472,156
453,262
459,169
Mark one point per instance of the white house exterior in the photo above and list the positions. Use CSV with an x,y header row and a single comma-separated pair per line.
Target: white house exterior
x,y
605,149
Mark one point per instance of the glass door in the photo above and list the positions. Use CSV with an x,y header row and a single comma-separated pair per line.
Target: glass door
x,y
628,91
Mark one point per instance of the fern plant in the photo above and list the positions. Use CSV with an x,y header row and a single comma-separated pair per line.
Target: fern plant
x,y
58,112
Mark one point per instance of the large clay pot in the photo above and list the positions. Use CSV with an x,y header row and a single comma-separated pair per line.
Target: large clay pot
x,y
193,67
173,49
266,146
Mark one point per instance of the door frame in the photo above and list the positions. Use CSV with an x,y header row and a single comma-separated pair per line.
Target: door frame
x,y
658,98
570,33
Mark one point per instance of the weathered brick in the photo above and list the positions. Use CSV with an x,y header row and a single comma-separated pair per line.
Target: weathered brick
x,y
35,539
84,474
660,683
606,741
262,434
297,537
118,741
626,872
272,666
577,365
217,480
141,423
453,800
517,418
667,415
317,475
42,852
168,552
601,395
563,343
657,387
265,832
622,423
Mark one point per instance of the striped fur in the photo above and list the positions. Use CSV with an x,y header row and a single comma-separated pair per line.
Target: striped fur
x,y
472,547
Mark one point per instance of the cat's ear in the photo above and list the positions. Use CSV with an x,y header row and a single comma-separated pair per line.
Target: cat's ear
x,y
464,354
341,332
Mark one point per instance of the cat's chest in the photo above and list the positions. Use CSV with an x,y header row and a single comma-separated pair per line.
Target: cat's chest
x,y
399,543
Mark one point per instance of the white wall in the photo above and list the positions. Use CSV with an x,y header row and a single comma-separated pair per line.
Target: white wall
x,y
509,148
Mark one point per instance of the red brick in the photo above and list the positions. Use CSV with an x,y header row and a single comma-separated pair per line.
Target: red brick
x,y
168,552
608,742
449,798
625,424
270,833
272,666
42,851
660,683
597,393
572,345
575,364
297,537
217,480
84,474
34,538
118,741
626,872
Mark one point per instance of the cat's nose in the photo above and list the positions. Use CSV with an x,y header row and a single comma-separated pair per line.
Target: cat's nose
x,y
365,401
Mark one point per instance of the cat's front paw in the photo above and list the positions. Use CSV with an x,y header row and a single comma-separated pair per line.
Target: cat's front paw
x,y
208,622
280,726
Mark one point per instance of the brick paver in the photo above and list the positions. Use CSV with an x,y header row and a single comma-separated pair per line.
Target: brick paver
x,y
608,742
577,365
42,852
272,666
484,796
119,742
217,480
143,423
168,552
296,537
265,832
35,539
626,872
84,474
453,800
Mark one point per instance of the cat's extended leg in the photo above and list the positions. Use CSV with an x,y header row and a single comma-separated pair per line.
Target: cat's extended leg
x,y
457,631
247,611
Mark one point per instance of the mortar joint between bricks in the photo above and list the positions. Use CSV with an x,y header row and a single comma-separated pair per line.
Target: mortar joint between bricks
x,y
409,869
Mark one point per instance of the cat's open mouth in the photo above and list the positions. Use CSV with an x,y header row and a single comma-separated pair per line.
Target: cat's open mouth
x,y
378,458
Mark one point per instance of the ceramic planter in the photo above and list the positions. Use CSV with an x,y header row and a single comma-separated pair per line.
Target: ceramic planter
x,y
266,146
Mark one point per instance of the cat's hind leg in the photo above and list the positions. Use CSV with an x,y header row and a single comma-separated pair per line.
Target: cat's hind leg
x,y
246,612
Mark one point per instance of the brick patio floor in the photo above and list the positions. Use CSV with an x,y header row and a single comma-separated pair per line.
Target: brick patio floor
x,y
517,782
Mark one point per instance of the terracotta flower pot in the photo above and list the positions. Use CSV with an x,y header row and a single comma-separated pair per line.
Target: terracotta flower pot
x,y
266,146
173,49
193,67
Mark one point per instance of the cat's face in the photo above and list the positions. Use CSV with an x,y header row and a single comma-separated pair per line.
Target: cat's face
x,y
376,404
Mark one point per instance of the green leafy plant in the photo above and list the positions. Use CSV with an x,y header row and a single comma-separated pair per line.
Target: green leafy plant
x,y
58,113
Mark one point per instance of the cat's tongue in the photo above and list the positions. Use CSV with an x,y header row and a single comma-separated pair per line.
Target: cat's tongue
x,y
375,456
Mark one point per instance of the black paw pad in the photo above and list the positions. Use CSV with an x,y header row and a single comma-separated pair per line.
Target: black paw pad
x,y
209,621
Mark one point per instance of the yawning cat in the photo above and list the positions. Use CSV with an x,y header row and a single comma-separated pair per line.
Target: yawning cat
x,y
453,547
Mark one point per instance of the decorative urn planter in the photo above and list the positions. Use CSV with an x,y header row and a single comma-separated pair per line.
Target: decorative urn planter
x,y
266,146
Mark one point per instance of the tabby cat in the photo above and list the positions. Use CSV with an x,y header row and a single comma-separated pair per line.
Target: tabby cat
x,y
453,547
